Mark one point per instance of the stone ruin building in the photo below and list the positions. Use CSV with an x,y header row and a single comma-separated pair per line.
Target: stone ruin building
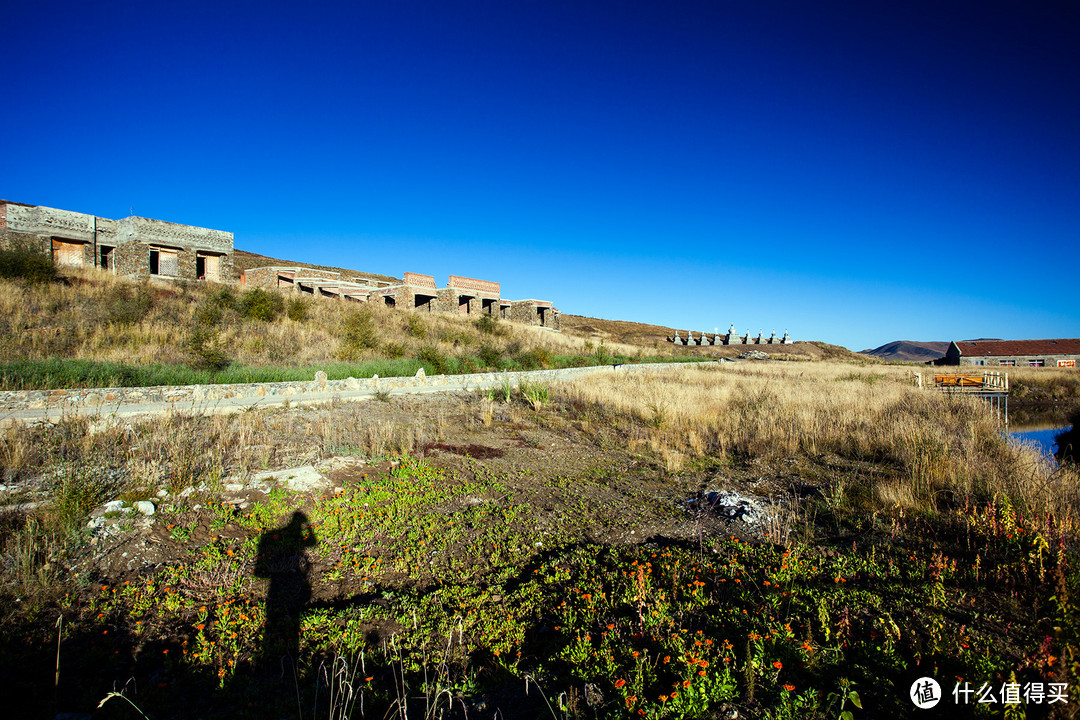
x,y
132,247
139,247
467,296
730,338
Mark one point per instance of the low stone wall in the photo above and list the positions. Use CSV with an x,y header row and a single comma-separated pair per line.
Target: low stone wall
x,y
204,395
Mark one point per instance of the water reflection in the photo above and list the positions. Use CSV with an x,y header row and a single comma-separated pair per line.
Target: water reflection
x,y
1042,436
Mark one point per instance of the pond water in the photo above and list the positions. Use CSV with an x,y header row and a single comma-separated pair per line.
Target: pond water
x,y
1041,435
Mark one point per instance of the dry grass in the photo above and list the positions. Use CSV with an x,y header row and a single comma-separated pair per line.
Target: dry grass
x,y
96,316
929,446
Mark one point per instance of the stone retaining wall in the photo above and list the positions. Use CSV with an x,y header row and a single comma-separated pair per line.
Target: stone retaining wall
x,y
192,395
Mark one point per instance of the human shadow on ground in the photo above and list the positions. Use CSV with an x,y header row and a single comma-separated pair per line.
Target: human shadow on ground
x,y
281,557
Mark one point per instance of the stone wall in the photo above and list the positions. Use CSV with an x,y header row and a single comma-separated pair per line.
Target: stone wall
x,y
37,220
535,312
130,239
180,397
450,300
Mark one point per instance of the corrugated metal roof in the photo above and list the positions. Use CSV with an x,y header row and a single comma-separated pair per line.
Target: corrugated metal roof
x,y
993,348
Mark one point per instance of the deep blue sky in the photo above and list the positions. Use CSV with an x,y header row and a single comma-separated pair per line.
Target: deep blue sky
x,y
855,172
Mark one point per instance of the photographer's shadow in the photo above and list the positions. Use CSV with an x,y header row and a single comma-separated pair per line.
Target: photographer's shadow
x,y
282,558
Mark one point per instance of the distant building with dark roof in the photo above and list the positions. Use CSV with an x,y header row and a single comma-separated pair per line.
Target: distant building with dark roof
x,y
1064,352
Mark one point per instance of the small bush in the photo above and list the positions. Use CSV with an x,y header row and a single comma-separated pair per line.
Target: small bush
x,y
534,359
490,356
224,298
603,357
434,361
358,331
415,326
204,351
487,324
27,263
126,305
535,394
393,350
297,310
208,314
259,304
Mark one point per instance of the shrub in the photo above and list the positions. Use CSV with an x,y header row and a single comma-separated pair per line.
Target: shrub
x,y
603,357
415,326
358,331
534,359
208,314
204,351
486,324
224,298
534,394
393,350
434,361
259,304
126,305
297,310
27,263
490,356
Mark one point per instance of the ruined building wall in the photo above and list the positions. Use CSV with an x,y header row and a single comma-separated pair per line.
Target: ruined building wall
x,y
80,239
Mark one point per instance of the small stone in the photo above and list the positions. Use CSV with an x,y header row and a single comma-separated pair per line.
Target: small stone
x,y
163,493
420,373
234,487
145,507
115,506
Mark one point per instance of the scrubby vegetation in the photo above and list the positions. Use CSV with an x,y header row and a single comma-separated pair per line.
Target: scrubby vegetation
x,y
532,553
93,326
26,264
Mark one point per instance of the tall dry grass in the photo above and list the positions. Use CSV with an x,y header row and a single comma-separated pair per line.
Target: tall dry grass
x,y
79,463
927,445
94,315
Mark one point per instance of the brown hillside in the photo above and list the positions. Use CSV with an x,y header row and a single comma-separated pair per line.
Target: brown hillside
x,y
610,332
644,335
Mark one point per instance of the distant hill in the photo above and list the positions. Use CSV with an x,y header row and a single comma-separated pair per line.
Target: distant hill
x,y
909,351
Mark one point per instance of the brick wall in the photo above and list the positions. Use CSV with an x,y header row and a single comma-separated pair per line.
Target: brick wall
x,y
477,287
421,281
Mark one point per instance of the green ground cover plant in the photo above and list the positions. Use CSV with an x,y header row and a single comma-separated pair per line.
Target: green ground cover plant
x,y
469,567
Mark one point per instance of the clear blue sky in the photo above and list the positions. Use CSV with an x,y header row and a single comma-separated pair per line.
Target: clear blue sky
x,y
855,172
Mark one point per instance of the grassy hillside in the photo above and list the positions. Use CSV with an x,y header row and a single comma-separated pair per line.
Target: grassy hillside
x,y
89,328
